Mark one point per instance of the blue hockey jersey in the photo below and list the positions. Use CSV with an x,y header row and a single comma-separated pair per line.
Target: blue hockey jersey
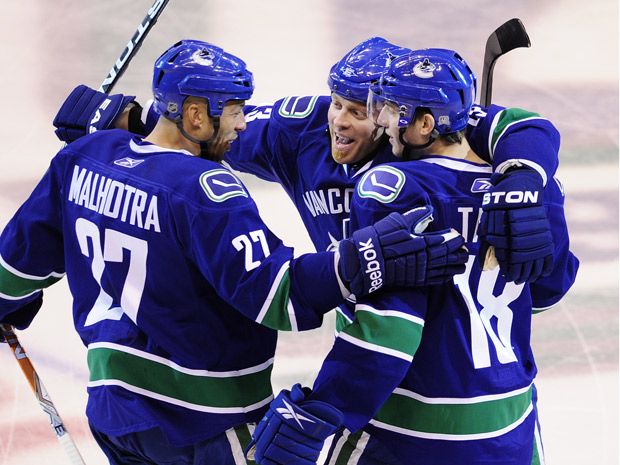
x,y
443,373
171,271
289,143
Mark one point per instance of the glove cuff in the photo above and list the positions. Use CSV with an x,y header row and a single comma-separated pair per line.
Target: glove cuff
x,y
361,262
314,418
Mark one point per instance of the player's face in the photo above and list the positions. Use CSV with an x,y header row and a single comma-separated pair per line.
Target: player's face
x,y
232,121
353,135
388,116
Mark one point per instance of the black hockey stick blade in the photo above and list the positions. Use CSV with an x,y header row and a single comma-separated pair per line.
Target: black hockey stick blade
x,y
507,37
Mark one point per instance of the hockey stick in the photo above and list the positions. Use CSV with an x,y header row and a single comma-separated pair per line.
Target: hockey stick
x,y
133,46
507,37
41,394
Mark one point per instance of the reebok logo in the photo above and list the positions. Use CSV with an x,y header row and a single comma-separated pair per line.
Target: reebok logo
x,y
510,197
128,162
289,414
481,185
372,268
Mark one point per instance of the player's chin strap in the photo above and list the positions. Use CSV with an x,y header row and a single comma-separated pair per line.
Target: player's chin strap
x,y
411,151
204,144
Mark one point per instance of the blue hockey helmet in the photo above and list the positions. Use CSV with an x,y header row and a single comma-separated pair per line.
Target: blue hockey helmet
x,y
436,79
364,64
199,69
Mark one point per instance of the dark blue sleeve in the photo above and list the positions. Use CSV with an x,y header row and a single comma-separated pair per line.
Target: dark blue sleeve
x,y
373,353
269,146
549,290
511,137
252,270
256,149
149,117
31,249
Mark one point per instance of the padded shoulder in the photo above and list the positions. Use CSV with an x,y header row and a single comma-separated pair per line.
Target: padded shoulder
x,y
302,114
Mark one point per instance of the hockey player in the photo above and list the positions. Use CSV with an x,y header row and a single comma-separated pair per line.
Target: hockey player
x,y
178,286
444,374
317,148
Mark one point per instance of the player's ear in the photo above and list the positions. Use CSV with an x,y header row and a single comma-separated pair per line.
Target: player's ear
x,y
428,124
195,112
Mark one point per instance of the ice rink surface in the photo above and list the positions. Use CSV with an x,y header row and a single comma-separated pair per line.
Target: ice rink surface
x,y
569,75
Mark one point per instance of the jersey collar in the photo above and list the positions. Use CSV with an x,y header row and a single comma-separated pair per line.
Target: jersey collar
x,y
140,146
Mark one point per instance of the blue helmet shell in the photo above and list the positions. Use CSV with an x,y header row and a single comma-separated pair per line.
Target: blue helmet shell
x,y
364,64
433,78
199,69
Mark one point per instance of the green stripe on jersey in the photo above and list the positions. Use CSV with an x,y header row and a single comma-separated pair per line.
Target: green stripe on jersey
x,y
277,316
239,438
342,321
507,117
16,286
459,417
388,331
348,447
155,378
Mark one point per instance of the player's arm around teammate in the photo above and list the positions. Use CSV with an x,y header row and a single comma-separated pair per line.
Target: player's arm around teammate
x,y
406,353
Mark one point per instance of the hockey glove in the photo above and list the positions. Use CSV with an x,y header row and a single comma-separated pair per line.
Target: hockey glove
x,y
86,110
23,316
514,221
394,252
293,430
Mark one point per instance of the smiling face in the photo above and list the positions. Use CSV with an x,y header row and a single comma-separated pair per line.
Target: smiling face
x,y
232,121
353,135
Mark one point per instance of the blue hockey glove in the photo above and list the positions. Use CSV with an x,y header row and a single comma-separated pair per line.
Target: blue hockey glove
x,y
293,430
86,110
395,252
515,223
23,316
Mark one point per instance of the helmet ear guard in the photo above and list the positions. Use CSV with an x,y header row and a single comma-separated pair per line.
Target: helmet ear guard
x,y
199,69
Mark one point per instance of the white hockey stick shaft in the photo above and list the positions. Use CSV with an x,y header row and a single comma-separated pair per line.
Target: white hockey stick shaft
x,y
41,394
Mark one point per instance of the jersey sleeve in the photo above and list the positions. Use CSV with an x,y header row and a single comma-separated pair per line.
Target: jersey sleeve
x,y
549,290
373,353
149,116
249,267
31,250
256,148
269,146
510,137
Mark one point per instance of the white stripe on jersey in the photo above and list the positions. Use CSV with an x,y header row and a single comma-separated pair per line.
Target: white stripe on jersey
x,y
375,347
394,313
179,368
